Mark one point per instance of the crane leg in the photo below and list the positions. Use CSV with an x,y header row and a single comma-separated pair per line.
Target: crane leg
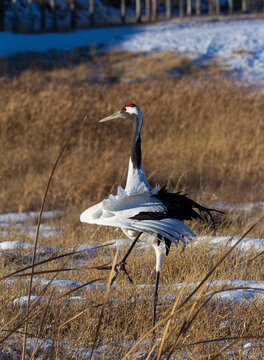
x,y
121,266
155,298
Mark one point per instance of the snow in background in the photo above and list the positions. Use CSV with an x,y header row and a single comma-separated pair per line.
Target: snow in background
x,y
236,45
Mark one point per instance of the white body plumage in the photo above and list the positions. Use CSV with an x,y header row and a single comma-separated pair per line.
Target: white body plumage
x,y
137,197
145,214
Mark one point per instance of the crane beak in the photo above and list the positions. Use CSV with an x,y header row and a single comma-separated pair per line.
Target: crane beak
x,y
116,115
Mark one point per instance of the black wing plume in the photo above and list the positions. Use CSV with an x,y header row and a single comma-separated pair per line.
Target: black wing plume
x,y
180,207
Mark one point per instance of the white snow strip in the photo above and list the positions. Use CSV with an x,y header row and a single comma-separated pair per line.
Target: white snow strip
x,y
18,222
121,243
20,245
239,43
22,301
245,206
25,216
245,244
14,246
215,241
222,284
64,284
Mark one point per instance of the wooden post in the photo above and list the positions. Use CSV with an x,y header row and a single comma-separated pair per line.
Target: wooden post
x,y
15,16
138,11
230,6
244,5
31,25
91,11
147,10
154,10
211,7
73,14
54,14
123,11
198,8
189,7
42,16
217,7
181,8
168,9
2,15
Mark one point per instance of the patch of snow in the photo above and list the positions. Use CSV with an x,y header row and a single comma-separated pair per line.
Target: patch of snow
x,y
245,206
11,250
239,43
121,243
20,245
257,287
239,295
18,222
84,248
22,301
25,216
30,230
245,244
68,284
250,345
215,241
74,300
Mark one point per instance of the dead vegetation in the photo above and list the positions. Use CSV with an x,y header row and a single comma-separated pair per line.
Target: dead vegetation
x,y
202,136
64,319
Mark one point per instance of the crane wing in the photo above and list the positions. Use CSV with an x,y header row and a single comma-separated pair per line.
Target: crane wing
x,y
127,211
117,210
181,207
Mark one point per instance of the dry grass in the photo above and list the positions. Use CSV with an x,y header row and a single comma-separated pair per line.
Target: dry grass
x,y
200,135
128,312
205,136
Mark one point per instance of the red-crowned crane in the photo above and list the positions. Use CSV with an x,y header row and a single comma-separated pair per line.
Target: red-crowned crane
x,y
151,215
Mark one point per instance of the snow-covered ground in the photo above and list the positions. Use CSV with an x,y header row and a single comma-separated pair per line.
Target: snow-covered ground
x,y
230,292
21,224
235,290
236,45
84,252
245,206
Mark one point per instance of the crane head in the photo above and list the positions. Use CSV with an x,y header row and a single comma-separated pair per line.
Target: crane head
x,y
130,111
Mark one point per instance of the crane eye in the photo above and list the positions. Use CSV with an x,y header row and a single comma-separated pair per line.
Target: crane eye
x,y
123,109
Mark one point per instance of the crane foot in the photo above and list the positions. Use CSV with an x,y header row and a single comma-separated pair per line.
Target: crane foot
x,y
118,268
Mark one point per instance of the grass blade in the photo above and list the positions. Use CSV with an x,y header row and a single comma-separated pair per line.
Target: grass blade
x,y
104,303
168,323
38,227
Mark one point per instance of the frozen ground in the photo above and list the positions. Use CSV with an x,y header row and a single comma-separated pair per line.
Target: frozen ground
x,y
230,291
85,253
245,206
236,45
241,289
25,223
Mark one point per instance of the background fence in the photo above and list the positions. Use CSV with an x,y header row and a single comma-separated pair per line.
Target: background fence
x,y
59,15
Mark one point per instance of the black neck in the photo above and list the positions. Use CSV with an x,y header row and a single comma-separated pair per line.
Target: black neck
x,y
136,147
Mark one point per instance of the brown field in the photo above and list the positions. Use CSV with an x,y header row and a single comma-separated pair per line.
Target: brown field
x,y
202,134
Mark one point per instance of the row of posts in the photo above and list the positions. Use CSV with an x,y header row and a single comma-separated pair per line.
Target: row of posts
x,y
15,21
151,7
